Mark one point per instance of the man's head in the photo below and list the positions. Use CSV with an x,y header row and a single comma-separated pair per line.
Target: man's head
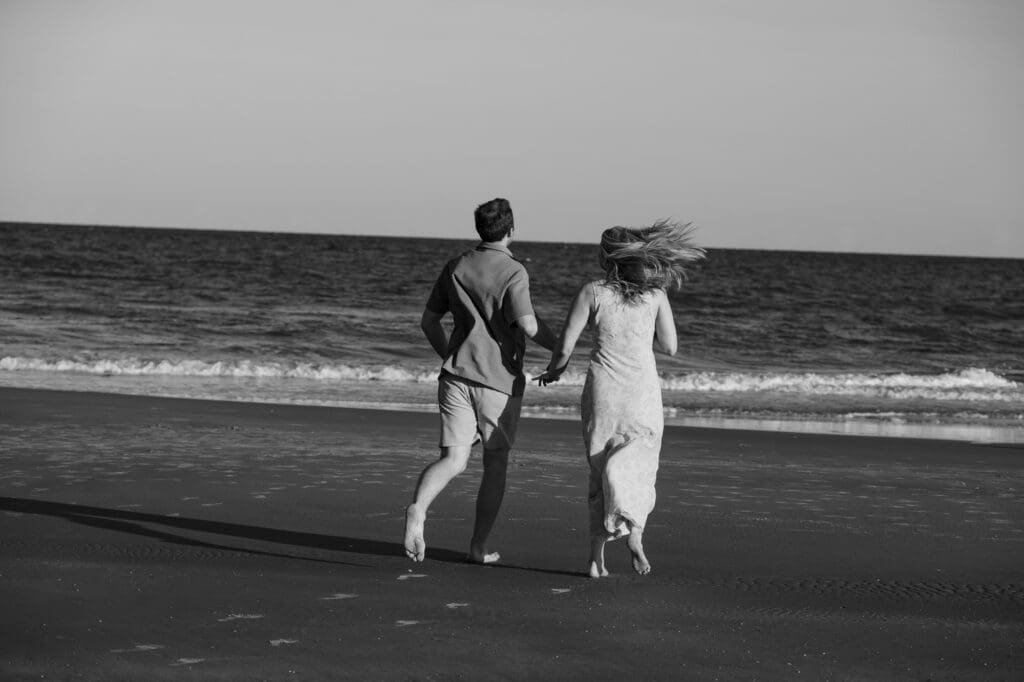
x,y
493,220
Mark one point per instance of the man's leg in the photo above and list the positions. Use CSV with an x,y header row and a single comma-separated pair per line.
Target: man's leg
x,y
458,432
488,503
498,419
432,481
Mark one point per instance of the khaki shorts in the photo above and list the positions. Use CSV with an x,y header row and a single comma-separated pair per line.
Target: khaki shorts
x,y
471,412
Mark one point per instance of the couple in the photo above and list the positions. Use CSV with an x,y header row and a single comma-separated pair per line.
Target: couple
x,y
481,385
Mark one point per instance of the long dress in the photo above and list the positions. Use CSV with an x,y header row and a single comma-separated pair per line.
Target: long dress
x,y
622,413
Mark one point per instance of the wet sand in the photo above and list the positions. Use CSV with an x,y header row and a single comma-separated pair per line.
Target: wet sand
x,y
151,538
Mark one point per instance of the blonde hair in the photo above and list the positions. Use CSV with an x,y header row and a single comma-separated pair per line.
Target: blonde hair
x,y
638,260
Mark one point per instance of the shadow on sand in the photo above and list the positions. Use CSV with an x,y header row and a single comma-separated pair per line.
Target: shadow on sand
x,y
130,522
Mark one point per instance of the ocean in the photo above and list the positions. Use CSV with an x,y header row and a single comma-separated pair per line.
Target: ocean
x,y
832,342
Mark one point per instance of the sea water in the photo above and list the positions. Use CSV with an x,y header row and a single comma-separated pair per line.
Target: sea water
x,y
847,343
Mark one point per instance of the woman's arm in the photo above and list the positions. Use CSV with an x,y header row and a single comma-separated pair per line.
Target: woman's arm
x,y
575,322
665,326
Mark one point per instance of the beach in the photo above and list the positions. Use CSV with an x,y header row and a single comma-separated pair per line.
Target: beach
x,y
159,538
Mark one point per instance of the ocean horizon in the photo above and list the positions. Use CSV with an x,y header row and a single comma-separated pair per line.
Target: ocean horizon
x,y
921,346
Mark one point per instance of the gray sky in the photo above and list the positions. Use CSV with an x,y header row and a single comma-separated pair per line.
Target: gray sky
x,y
875,125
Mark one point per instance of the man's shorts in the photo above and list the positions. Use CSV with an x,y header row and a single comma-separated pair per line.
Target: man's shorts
x,y
471,412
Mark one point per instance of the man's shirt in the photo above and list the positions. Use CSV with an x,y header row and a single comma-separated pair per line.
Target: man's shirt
x,y
486,290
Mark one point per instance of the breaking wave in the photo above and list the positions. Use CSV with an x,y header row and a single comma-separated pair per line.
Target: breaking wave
x,y
965,384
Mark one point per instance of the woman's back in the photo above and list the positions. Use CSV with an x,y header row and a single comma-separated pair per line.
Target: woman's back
x,y
623,330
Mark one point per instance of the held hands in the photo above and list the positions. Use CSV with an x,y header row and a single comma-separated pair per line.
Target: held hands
x,y
550,376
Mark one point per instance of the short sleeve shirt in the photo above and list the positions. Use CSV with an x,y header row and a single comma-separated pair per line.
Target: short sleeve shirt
x,y
486,290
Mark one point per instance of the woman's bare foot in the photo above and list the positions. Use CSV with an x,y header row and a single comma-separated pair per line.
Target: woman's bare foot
x,y
597,567
415,547
636,548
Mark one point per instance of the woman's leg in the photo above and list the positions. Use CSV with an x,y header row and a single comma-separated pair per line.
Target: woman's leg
x,y
595,503
597,567
630,475
635,541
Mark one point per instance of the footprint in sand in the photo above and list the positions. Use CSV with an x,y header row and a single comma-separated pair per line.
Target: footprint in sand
x,y
279,642
456,605
339,595
407,576
407,623
240,616
560,590
138,647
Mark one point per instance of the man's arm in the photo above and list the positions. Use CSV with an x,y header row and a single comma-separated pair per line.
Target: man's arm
x,y
520,313
538,330
432,328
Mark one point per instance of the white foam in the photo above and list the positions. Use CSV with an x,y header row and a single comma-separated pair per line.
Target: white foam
x,y
967,384
242,369
976,397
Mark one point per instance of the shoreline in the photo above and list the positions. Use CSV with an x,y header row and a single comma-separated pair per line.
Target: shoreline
x,y
145,537
1003,432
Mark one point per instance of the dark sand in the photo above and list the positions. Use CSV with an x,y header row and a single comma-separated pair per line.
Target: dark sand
x,y
148,539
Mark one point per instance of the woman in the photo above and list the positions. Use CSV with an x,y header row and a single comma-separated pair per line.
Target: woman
x,y
621,404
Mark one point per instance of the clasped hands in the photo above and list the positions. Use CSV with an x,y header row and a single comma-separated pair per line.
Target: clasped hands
x,y
550,376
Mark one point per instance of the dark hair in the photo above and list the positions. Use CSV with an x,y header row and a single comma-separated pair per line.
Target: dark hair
x,y
493,220
638,260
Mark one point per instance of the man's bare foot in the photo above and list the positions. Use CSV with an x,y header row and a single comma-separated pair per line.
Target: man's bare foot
x,y
481,556
597,568
415,547
636,548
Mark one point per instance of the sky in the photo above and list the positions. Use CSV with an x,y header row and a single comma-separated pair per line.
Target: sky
x,y
892,126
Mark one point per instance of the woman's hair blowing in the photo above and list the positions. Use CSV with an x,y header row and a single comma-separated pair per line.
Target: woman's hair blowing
x,y
637,260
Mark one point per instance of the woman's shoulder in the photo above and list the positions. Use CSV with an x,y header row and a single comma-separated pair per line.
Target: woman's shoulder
x,y
601,288
594,289
656,298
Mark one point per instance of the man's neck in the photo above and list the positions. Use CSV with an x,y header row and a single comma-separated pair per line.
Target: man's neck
x,y
500,244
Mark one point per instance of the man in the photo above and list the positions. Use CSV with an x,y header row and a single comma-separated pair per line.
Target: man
x,y
480,388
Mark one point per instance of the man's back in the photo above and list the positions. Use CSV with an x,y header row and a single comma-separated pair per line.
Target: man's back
x,y
486,290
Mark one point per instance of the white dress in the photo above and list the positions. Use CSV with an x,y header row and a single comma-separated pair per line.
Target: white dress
x,y
622,415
